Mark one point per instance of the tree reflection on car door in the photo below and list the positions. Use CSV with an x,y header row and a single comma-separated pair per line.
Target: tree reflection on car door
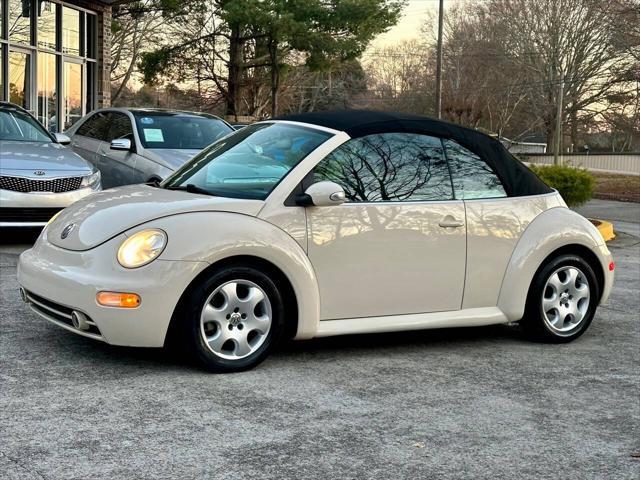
x,y
398,245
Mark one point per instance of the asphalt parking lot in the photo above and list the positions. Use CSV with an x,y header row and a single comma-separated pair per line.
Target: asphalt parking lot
x,y
465,403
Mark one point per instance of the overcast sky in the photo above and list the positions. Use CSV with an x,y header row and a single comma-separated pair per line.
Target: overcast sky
x,y
414,15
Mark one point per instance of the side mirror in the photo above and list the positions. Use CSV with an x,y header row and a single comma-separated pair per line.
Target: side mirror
x,y
120,144
322,194
62,138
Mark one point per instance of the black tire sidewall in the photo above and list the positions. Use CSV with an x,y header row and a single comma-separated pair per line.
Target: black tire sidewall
x,y
534,317
196,345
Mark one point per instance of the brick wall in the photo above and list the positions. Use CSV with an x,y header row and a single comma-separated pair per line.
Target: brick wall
x,y
103,94
104,58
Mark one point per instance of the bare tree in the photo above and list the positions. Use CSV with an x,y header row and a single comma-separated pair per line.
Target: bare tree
x,y
570,41
399,77
136,28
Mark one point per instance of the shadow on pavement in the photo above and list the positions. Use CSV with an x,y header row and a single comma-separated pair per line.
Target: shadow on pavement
x,y
124,359
429,337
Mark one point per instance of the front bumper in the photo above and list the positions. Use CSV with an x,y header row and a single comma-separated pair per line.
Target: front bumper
x,y
29,209
70,280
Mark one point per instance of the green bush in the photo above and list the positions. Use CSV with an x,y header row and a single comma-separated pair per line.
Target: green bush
x,y
574,184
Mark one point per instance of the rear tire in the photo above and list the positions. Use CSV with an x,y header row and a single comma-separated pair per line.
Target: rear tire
x,y
232,320
562,300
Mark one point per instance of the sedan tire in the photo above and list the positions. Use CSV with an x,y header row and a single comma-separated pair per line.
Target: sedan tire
x,y
562,300
233,319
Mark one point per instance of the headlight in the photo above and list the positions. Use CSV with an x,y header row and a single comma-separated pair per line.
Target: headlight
x,y
91,179
141,248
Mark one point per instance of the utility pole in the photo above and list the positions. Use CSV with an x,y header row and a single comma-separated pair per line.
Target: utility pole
x,y
557,158
439,62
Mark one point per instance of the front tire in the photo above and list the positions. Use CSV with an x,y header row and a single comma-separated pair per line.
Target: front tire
x,y
562,300
233,319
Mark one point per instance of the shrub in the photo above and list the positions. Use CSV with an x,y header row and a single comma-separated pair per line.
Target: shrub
x,y
574,184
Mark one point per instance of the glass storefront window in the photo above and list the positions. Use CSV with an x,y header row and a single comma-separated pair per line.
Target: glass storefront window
x,y
72,93
71,31
48,59
20,21
47,25
1,72
90,72
91,35
19,78
47,90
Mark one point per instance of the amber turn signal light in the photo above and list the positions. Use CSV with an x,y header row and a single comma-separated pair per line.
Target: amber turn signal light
x,y
118,299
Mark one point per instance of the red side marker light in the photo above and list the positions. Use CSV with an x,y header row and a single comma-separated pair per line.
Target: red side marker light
x,y
612,266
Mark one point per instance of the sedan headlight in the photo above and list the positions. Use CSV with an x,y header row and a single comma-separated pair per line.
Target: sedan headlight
x,y
91,179
141,248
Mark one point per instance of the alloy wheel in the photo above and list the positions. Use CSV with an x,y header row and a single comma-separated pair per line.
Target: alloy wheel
x,y
236,319
565,299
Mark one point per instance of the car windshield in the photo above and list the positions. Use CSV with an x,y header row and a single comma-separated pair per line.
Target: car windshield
x,y
18,126
249,163
179,130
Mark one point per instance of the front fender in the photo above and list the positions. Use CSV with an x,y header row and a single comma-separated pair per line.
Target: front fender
x,y
549,231
213,236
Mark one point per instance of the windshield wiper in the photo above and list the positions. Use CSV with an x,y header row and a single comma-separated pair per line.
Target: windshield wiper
x,y
191,188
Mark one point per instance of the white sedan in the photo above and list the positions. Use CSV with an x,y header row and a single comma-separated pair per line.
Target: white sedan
x,y
315,225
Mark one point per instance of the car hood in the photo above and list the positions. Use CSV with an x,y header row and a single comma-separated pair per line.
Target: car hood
x,y
172,158
24,158
105,214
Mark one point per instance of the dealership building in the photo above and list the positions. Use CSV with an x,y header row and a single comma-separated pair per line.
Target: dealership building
x,y
54,57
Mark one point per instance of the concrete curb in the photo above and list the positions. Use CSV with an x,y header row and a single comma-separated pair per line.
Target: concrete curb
x,y
605,228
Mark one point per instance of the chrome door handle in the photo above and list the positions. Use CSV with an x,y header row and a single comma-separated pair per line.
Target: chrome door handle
x,y
450,222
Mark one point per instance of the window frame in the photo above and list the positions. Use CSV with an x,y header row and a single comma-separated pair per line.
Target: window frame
x,y
481,158
308,180
112,116
89,118
87,57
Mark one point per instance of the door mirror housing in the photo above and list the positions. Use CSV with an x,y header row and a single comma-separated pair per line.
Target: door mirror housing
x,y
322,194
62,138
121,144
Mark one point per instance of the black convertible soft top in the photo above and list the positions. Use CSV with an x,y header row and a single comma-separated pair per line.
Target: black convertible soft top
x,y
516,178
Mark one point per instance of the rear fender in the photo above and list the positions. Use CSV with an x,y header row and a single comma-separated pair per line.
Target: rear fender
x,y
549,231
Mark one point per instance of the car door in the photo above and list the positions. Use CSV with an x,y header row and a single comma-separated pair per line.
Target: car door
x,y
397,246
88,137
495,223
117,166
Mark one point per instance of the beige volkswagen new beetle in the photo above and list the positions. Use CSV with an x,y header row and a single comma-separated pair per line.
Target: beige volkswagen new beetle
x,y
315,225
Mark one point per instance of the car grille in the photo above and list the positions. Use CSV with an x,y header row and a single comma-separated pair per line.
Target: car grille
x,y
19,215
26,185
59,314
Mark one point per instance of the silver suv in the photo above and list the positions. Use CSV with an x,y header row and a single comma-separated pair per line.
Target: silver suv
x,y
38,175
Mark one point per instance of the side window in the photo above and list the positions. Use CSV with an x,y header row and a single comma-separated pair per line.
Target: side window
x,y
389,167
120,127
472,177
95,126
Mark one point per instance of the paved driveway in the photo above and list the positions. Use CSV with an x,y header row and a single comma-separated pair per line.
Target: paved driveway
x,y
467,403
